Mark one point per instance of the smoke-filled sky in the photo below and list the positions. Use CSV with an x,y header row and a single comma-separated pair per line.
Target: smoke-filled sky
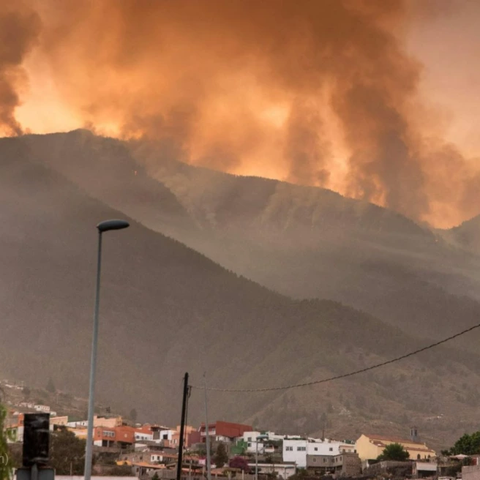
x,y
376,99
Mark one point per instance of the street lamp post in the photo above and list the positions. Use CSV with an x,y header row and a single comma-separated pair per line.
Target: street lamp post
x,y
102,227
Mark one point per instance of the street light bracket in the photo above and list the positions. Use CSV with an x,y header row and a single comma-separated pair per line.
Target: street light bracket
x,y
112,225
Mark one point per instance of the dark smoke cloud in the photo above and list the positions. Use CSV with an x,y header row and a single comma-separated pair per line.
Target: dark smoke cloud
x,y
246,85
19,29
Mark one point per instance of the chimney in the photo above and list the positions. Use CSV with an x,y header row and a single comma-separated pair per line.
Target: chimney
x,y
414,434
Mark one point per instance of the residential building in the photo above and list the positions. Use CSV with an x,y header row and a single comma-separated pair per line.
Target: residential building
x,y
261,442
424,469
343,464
107,421
282,470
329,447
148,456
99,421
224,431
166,435
369,447
191,436
143,436
42,408
79,432
297,449
122,436
471,472
56,422
15,427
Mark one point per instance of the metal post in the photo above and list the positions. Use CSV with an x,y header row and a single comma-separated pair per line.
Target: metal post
x,y
182,427
207,437
256,457
93,364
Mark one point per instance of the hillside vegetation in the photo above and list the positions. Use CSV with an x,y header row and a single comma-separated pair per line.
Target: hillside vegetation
x,y
167,309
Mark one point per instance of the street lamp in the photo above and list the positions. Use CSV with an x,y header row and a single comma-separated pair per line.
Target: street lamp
x,y
102,227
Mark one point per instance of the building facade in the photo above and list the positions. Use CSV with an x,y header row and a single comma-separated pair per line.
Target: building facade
x,y
343,464
297,449
369,447
224,431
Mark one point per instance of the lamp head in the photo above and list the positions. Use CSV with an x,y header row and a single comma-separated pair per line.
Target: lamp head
x,y
112,225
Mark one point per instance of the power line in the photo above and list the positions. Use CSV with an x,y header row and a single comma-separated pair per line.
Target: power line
x,y
344,375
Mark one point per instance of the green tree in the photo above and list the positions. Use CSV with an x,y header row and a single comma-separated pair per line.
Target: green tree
x,y
5,459
466,445
221,457
50,386
67,453
395,452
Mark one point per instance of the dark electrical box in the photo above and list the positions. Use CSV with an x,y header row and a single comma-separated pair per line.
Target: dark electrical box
x,y
36,436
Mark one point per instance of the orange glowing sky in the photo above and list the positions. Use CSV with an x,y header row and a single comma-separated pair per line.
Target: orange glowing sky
x,y
443,41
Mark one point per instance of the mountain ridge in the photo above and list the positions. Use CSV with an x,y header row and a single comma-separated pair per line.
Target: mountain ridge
x,y
166,309
348,254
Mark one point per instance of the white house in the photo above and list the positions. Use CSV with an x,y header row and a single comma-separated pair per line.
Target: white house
x,y
139,436
283,470
79,424
167,435
42,408
297,449
329,447
262,438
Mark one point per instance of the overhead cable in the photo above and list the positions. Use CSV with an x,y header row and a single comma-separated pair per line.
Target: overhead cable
x,y
344,375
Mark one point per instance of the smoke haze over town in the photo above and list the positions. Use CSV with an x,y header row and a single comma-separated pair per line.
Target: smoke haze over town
x,y
297,185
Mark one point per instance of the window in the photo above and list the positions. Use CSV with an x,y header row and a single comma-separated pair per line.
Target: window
x,y
249,439
314,459
288,449
331,449
418,457
316,449
301,449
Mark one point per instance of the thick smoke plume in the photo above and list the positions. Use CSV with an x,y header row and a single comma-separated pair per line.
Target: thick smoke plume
x,y
19,29
316,92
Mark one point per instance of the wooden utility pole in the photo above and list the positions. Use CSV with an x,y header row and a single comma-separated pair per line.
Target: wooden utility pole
x,y
182,426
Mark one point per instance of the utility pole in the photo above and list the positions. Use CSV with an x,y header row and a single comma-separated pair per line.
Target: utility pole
x,y
182,426
207,436
256,457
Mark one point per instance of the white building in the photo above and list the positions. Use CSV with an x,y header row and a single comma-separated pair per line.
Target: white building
x,y
283,470
139,436
329,447
297,449
79,424
263,440
167,435
42,408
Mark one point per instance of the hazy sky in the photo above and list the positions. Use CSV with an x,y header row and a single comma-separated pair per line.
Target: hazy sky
x,y
376,99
